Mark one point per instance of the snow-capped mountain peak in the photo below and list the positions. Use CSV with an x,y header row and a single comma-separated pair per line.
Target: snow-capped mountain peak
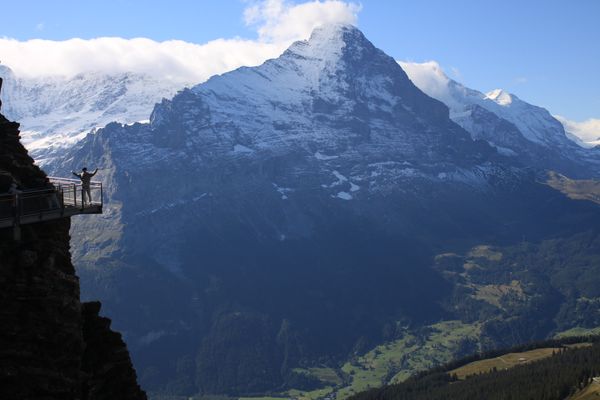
x,y
326,45
500,96
330,36
535,124
513,126
336,78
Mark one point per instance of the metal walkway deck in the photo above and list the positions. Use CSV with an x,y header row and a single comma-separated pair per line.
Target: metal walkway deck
x,y
62,198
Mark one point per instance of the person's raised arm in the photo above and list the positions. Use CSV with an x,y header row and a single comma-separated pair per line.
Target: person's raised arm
x,y
94,173
76,174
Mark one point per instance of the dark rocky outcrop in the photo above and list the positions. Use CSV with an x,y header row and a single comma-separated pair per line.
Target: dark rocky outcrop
x,y
51,345
106,362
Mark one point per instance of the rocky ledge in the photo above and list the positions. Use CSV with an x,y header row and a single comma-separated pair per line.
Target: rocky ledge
x,y
52,346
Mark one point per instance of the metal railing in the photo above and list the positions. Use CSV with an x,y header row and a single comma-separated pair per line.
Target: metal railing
x,y
63,197
75,195
8,208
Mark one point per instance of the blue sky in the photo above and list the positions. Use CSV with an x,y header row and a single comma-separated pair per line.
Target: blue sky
x,y
546,52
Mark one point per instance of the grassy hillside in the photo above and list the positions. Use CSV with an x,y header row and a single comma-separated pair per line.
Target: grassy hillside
x,y
391,362
552,370
591,392
578,331
502,362
585,189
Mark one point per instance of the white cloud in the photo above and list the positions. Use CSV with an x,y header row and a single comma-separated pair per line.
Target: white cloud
x,y
176,60
277,22
431,79
281,21
588,131
455,73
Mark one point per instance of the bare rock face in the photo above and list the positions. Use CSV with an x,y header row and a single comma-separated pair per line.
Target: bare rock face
x,y
51,347
106,362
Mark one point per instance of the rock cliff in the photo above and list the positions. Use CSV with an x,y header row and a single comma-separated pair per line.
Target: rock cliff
x,y
51,345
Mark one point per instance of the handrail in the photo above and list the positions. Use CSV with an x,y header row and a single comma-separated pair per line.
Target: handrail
x,y
58,178
61,181
62,197
73,191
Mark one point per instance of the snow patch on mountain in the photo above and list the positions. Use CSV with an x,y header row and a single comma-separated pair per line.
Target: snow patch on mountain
x,y
500,97
283,191
344,196
323,157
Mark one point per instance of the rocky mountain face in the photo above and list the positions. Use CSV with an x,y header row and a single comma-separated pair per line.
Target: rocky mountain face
x,y
516,128
52,346
289,216
334,115
55,112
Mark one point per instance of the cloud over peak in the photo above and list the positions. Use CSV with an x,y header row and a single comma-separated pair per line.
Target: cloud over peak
x,y
587,131
174,60
281,21
277,22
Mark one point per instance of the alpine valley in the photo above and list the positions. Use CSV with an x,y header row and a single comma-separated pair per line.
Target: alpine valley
x,y
324,223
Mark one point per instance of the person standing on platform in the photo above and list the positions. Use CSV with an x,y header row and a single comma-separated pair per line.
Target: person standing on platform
x,y
86,178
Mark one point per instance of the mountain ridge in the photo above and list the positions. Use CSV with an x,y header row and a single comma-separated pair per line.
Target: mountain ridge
x,y
305,210
514,126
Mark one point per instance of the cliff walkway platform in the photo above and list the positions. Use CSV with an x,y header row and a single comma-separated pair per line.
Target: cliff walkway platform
x,y
62,198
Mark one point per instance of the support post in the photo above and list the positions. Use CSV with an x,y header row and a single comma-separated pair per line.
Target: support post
x,y
17,233
62,202
17,217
